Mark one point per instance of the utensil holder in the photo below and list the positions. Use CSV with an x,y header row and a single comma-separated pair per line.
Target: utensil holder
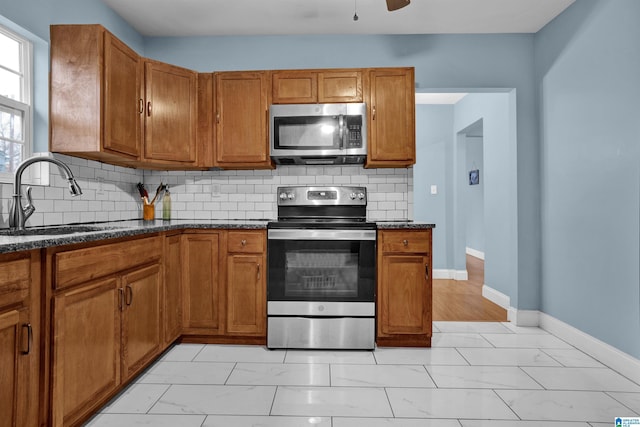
x,y
148,212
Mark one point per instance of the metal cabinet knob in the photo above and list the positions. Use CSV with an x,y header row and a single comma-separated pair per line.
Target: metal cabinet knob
x,y
405,242
243,242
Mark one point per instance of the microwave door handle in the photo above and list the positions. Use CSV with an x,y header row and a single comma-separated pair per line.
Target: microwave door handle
x,y
342,133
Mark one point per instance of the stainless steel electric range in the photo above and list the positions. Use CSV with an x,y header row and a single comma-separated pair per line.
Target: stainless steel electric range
x,y
322,266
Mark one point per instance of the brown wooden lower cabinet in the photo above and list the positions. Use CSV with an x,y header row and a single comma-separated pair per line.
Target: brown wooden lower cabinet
x,y
172,298
246,284
104,330
19,339
86,350
141,322
404,288
110,309
224,286
201,280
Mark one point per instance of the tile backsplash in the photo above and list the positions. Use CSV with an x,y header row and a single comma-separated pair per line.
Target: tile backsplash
x,y
109,192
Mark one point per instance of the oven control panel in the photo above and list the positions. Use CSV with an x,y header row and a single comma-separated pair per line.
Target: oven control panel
x,y
315,196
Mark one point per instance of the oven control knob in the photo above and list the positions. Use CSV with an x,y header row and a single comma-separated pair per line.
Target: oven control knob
x,y
321,308
283,196
290,196
352,196
361,196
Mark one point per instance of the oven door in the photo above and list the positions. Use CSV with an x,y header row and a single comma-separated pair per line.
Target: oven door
x,y
321,265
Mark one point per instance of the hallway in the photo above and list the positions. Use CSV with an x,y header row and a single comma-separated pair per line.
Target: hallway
x,y
461,300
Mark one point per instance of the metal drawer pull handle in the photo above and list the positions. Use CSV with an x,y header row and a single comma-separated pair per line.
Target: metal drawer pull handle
x,y
243,242
140,106
374,113
426,271
129,296
149,109
29,337
258,271
405,242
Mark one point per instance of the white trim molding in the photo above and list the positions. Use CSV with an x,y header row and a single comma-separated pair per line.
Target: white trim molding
x,y
450,274
496,297
617,360
475,253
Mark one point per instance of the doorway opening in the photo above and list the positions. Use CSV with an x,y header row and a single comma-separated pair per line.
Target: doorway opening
x,y
463,183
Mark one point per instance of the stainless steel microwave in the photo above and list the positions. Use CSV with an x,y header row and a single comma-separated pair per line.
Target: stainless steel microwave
x,y
318,134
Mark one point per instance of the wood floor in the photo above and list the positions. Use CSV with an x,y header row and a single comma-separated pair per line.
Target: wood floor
x,y
462,299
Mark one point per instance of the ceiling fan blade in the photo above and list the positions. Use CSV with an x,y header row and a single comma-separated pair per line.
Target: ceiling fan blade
x,y
397,4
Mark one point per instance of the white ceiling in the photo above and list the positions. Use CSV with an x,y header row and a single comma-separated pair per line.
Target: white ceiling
x,y
264,17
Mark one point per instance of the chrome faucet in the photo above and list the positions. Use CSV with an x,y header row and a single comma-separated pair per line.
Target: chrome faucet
x,y
18,215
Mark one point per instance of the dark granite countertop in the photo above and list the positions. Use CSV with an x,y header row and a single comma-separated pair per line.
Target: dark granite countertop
x,y
404,224
116,229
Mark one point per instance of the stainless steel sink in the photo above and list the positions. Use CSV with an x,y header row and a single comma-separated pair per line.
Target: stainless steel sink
x,y
54,231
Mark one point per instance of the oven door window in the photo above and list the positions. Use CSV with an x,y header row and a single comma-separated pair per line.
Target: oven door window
x,y
302,270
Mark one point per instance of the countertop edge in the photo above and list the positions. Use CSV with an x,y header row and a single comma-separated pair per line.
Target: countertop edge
x,y
118,229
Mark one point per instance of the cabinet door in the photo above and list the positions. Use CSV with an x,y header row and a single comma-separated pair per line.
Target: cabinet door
x,y
340,86
241,120
123,104
172,301
404,299
294,87
170,113
15,343
141,324
246,297
86,349
391,118
202,290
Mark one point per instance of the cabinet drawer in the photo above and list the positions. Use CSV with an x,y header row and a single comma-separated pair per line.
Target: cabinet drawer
x,y
246,242
81,265
15,277
406,241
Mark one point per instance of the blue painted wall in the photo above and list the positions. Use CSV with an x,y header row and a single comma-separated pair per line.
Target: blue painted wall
x,y
500,214
434,142
588,75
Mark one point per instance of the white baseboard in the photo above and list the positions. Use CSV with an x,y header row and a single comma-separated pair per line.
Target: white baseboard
x,y
496,297
475,253
450,274
610,356
527,318
617,360
460,275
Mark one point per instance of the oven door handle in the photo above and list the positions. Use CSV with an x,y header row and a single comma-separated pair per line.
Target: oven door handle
x,y
302,234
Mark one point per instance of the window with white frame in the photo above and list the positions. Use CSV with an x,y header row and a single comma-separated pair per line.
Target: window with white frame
x,y
15,102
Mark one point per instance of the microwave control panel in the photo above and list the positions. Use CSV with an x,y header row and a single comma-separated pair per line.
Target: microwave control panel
x,y
354,125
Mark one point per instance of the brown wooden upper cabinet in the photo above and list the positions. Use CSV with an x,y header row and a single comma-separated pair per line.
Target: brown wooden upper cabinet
x,y
241,122
391,113
95,94
100,94
109,104
170,113
316,86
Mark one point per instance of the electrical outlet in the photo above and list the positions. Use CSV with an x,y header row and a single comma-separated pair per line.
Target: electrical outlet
x,y
100,190
434,189
215,190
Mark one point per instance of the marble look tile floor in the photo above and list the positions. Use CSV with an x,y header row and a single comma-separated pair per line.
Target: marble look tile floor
x,y
475,375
